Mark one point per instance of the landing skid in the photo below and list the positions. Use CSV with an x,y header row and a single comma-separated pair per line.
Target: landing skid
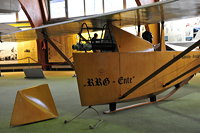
x,y
113,108
153,99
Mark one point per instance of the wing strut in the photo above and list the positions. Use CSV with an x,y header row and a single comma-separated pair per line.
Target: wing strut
x,y
160,69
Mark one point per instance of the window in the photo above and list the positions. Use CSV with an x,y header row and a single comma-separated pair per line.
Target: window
x,y
131,3
75,8
57,8
22,16
7,17
94,7
113,5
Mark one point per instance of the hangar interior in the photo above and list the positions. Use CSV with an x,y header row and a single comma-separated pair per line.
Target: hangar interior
x,y
178,113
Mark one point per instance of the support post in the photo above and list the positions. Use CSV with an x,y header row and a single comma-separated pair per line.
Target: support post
x,y
103,5
112,106
139,34
43,53
124,4
66,9
162,45
84,4
153,98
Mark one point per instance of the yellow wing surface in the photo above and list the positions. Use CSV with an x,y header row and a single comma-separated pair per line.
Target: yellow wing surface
x,y
148,14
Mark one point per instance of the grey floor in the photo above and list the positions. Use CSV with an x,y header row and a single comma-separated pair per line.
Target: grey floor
x,y
178,114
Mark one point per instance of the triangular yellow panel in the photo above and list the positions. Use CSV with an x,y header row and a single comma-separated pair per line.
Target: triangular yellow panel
x,y
127,42
33,105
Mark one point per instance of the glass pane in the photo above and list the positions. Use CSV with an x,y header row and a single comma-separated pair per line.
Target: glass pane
x,y
7,17
22,16
75,8
94,7
57,8
131,3
113,5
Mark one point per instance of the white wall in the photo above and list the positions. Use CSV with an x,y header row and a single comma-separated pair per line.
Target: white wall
x,y
8,6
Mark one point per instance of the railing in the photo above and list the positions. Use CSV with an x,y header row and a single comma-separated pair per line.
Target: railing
x,y
28,59
33,64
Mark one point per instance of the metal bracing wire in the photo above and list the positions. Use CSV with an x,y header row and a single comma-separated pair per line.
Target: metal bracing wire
x,y
90,126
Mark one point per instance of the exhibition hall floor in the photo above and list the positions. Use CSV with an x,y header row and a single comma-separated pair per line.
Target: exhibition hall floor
x,y
178,114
